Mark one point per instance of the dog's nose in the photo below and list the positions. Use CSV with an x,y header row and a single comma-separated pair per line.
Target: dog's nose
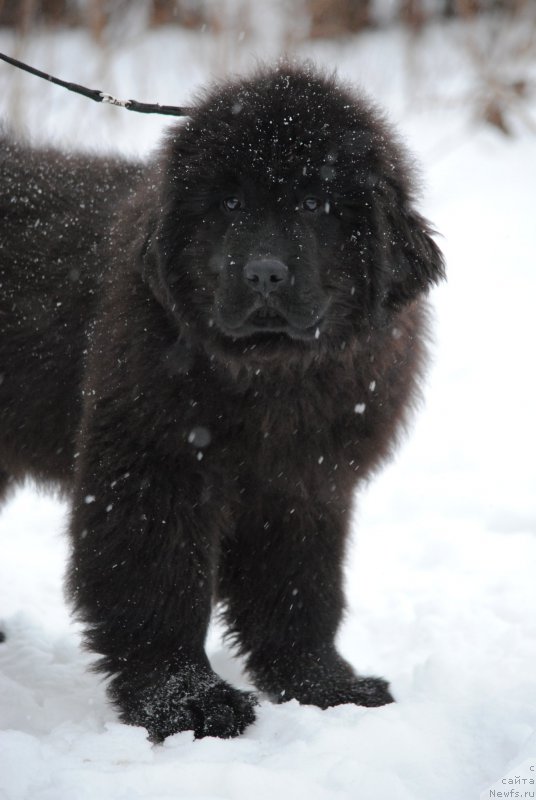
x,y
265,275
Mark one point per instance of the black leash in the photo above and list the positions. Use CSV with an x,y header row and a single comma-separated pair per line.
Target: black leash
x,y
101,97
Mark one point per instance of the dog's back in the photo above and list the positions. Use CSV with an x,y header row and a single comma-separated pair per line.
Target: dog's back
x,y
55,214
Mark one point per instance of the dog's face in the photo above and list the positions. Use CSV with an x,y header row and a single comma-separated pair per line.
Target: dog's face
x,y
270,260
287,219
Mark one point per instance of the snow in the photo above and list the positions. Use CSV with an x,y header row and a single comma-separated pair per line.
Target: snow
x,y
441,575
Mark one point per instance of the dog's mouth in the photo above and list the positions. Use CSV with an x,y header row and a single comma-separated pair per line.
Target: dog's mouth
x,y
267,318
267,321
273,321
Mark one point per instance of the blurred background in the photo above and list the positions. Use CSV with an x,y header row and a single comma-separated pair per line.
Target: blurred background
x,y
476,57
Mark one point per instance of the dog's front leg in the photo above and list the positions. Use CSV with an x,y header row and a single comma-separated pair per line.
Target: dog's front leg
x,y
144,535
281,582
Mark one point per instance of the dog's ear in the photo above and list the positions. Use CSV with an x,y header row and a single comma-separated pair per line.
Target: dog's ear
x,y
411,261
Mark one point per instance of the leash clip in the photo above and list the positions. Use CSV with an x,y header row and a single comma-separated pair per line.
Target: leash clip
x,y
113,101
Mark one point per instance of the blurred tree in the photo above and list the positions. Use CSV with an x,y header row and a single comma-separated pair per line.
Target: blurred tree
x,y
24,14
328,18
412,13
416,13
187,13
97,18
331,18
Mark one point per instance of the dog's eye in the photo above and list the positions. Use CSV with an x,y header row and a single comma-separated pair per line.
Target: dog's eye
x,y
232,203
311,204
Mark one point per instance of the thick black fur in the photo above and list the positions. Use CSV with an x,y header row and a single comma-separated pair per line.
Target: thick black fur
x,y
208,353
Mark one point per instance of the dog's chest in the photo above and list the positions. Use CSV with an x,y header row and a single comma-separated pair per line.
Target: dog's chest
x,y
307,428
299,426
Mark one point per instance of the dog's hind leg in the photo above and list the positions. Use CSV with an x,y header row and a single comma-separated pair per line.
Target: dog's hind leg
x,y
6,483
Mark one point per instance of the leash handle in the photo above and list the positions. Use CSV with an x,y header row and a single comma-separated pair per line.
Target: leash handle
x,y
97,95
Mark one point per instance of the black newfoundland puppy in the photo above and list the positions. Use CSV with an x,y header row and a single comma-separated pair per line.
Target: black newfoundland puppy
x,y
208,353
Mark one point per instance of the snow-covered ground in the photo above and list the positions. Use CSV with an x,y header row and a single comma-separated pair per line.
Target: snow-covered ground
x,y
449,617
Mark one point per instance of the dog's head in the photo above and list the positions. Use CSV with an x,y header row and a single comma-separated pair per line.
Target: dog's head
x,y
287,217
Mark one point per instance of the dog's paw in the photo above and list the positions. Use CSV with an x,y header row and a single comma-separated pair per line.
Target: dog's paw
x,y
322,681
360,691
190,700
